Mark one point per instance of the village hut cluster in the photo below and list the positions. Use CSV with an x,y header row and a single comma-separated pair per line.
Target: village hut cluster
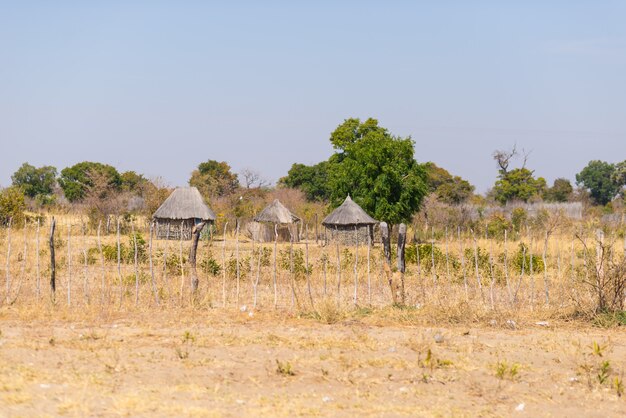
x,y
185,208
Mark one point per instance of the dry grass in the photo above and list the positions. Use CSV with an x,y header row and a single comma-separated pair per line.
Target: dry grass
x,y
447,351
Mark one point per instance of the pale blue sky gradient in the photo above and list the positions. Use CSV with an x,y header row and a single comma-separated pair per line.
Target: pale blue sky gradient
x,y
158,87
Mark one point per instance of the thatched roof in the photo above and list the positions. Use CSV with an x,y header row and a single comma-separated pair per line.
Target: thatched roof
x,y
349,213
276,213
184,203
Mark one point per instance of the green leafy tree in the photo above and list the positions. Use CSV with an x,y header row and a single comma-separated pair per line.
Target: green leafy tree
x,y
35,181
78,179
561,191
214,178
376,168
133,182
599,178
12,205
518,184
312,180
448,188
619,174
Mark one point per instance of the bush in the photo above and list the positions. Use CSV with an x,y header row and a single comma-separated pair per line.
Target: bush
x,y
523,256
244,267
518,218
210,266
12,206
497,224
299,266
425,253
127,251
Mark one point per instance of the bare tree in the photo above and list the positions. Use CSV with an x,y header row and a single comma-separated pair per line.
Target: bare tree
x,y
251,178
503,158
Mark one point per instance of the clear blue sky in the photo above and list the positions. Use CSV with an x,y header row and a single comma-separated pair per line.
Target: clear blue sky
x,y
158,87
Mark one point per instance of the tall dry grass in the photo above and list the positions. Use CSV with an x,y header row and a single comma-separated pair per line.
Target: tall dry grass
x,y
457,278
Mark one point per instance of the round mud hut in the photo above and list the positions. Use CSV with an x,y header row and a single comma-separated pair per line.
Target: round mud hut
x,y
274,214
183,209
349,222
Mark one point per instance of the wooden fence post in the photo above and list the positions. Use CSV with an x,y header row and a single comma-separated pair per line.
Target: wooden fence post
x,y
38,265
153,281
401,263
69,264
53,265
224,266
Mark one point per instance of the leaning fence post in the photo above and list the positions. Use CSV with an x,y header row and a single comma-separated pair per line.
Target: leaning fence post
x,y
53,265
401,263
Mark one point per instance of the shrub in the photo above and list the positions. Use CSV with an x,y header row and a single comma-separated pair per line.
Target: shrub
x,y
12,206
210,266
497,224
425,253
523,256
518,218
299,266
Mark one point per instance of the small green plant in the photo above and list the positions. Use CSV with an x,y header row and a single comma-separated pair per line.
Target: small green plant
x,y
597,349
210,266
618,385
505,370
432,363
603,372
284,368
299,265
186,341
188,338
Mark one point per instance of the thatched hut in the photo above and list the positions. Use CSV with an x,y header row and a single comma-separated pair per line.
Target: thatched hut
x,y
183,209
347,220
262,229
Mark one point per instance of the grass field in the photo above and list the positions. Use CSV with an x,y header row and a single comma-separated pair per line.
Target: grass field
x,y
476,335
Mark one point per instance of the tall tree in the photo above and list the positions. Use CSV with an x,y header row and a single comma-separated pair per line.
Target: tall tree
x,y
561,191
377,169
310,179
598,178
35,181
518,184
448,188
214,178
77,179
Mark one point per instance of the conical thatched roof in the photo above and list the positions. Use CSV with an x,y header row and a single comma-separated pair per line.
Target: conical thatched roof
x,y
276,213
184,203
349,213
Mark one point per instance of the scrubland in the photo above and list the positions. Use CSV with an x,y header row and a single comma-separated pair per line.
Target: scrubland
x,y
479,330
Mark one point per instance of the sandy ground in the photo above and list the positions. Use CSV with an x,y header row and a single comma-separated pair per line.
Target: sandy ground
x,y
235,364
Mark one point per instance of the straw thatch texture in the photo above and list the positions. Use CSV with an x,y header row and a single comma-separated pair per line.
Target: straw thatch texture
x,y
349,223
185,203
276,213
179,213
348,214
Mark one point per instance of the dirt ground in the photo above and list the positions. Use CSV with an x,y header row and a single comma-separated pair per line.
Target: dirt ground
x,y
218,363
